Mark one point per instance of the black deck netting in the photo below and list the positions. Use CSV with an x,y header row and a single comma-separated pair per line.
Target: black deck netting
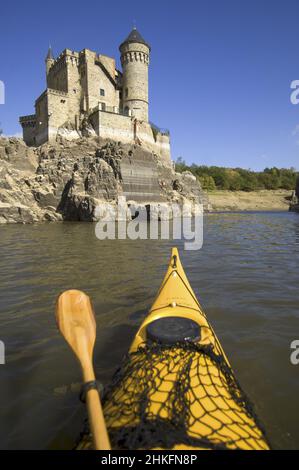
x,y
182,394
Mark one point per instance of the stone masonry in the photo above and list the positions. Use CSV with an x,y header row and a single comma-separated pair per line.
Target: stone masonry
x,y
87,95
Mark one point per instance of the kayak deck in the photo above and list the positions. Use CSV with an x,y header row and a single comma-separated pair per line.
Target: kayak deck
x,y
176,389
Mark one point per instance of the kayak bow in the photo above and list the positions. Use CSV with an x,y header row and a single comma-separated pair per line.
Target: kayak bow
x,y
176,389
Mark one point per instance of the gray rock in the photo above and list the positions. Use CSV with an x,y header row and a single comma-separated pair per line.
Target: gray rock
x,y
294,205
45,198
10,213
70,179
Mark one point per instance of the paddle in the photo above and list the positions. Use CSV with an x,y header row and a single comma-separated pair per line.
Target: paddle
x,y
75,319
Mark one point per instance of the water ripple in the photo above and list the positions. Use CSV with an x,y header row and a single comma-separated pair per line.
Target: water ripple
x,y
246,276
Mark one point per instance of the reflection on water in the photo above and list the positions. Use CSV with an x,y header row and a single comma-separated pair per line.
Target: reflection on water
x,y
246,276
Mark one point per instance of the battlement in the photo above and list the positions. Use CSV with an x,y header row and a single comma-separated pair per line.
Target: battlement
x,y
67,55
50,91
29,120
29,117
131,56
57,92
159,130
28,124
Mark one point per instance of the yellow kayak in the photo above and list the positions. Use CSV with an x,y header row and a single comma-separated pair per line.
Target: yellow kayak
x,y
175,389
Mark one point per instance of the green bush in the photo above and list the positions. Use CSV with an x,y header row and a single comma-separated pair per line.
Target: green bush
x,y
207,182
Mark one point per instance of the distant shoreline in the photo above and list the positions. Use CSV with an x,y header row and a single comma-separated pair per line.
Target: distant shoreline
x,y
263,200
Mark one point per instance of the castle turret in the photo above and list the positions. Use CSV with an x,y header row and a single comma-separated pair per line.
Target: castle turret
x,y
135,60
49,60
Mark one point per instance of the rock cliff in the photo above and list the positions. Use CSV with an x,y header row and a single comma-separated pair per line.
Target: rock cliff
x,y
68,180
294,206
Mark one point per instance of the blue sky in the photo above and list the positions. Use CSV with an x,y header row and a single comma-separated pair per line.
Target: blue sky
x,y
220,70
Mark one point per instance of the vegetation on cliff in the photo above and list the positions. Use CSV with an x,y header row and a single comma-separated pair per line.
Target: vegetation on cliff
x,y
239,179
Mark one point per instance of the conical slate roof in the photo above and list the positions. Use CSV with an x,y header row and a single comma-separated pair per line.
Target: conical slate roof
x,y
50,54
135,36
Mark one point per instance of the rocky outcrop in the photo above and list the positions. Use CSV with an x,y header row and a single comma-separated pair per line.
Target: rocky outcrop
x,y
294,206
69,180
18,184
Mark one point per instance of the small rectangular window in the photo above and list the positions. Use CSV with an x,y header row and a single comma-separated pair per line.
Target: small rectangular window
x,y
102,92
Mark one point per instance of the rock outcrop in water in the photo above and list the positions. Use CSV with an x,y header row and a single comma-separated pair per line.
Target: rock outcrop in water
x,y
294,206
68,180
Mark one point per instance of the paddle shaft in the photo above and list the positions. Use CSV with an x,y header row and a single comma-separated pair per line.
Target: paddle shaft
x,y
95,413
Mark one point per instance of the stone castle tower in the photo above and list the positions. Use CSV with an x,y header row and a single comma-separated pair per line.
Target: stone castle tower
x,y
135,61
87,95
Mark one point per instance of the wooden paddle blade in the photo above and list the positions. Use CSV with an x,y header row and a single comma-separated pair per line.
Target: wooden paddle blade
x,y
76,322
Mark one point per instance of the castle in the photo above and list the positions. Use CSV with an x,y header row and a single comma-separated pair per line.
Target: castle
x,y
86,94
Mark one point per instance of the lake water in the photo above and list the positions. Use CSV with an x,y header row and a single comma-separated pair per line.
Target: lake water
x,y
246,276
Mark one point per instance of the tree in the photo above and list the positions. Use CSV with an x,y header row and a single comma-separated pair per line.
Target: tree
x,y
180,165
207,182
250,182
234,179
220,179
239,179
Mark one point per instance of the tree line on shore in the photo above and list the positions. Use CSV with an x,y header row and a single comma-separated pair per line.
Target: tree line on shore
x,y
239,179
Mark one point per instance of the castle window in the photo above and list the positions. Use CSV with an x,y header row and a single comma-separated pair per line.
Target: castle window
x,y
127,92
102,92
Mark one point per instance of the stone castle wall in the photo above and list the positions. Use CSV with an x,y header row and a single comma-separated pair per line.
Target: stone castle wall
x,y
158,143
42,111
58,107
99,74
113,126
87,95
108,62
74,82
74,88
125,129
57,77
29,128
